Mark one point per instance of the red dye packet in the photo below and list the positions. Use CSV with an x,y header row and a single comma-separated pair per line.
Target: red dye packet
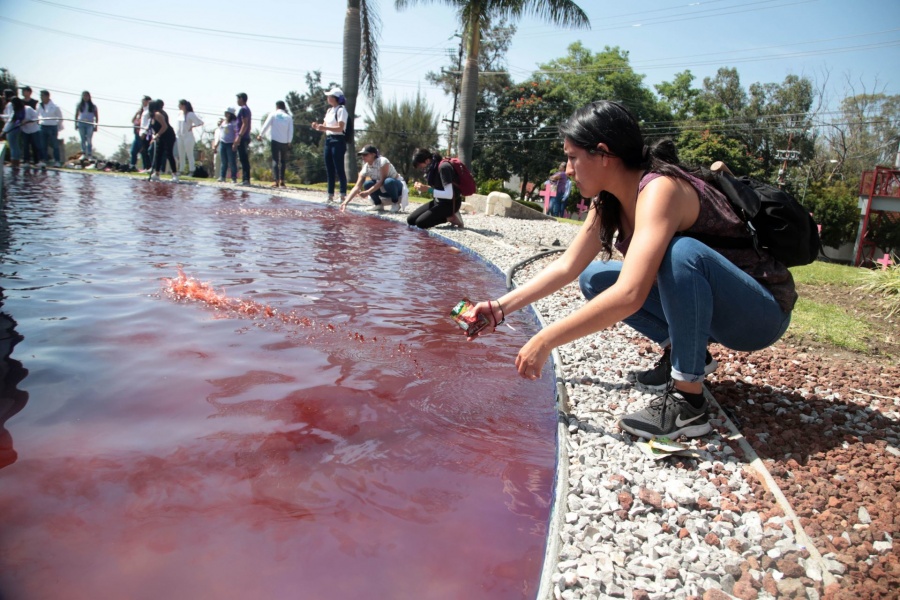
x,y
463,316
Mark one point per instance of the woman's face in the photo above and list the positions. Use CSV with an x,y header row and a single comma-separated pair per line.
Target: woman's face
x,y
332,100
86,97
585,168
424,166
368,158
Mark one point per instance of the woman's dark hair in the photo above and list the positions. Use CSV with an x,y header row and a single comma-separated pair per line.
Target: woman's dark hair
x,y
154,106
420,156
612,124
18,108
229,117
89,102
186,104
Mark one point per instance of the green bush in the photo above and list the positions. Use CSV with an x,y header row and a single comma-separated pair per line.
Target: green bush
x,y
834,207
885,231
886,284
495,185
534,205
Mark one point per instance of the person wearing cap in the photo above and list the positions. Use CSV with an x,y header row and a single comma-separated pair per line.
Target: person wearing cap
x,y
227,134
242,142
50,118
141,122
280,126
334,126
378,177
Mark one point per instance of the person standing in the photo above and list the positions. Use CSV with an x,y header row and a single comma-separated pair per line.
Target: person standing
x,y
383,179
141,122
184,135
28,153
227,134
282,134
558,202
441,182
21,128
164,140
335,126
86,117
241,143
50,118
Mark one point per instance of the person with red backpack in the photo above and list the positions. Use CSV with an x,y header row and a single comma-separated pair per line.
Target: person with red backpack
x,y
444,182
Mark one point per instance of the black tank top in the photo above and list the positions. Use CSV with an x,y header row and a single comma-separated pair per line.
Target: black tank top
x,y
156,126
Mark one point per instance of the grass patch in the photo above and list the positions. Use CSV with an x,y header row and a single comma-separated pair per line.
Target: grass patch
x,y
830,324
822,273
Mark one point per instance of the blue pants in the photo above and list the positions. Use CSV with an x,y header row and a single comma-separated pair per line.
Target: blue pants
x,y
49,134
556,206
280,152
392,188
14,141
227,160
335,149
699,296
86,132
139,146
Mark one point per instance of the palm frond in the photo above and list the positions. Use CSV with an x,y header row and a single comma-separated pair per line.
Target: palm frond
x,y
370,26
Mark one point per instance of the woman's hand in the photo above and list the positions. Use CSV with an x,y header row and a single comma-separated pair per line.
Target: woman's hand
x,y
532,357
364,194
491,311
421,187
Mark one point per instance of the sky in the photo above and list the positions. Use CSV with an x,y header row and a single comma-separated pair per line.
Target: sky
x,y
207,52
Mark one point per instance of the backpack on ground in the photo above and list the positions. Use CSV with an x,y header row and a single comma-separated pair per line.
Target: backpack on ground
x,y
464,178
200,171
777,222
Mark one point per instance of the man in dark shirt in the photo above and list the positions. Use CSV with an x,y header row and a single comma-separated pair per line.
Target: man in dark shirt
x,y
242,139
32,102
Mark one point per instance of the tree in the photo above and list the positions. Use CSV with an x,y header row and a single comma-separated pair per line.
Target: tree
x,y
583,76
474,16
524,136
398,128
7,80
496,39
834,207
361,27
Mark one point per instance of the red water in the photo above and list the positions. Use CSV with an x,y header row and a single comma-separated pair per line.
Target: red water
x,y
301,420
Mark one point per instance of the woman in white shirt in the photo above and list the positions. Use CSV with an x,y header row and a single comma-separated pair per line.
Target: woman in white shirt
x,y
383,179
184,135
334,125
87,117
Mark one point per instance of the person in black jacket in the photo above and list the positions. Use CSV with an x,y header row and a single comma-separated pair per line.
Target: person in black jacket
x,y
442,184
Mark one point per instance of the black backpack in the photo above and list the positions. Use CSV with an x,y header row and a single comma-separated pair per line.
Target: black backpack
x,y
200,171
776,221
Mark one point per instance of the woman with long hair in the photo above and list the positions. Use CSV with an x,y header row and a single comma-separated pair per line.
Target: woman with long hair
x,y
670,287
163,141
184,135
87,117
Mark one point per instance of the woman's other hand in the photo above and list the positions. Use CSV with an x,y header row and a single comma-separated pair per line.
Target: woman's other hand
x,y
532,357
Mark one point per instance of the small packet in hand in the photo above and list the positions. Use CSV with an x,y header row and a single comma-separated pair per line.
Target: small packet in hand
x,y
467,320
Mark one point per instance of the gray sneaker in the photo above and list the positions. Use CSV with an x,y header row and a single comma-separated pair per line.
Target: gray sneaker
x,y
659,376
669,415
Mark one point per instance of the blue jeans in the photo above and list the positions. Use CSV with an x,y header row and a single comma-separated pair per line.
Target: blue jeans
x,y
280,152
86,131
335,149
49,134
699,296
227,159
139,146
14,141
393,188
556,206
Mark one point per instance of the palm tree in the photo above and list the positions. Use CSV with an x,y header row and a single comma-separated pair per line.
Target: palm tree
x,y
361,26
474,15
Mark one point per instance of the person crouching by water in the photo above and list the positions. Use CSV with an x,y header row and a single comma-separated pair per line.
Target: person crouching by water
x,y
383,180
441,183
672,288
163,140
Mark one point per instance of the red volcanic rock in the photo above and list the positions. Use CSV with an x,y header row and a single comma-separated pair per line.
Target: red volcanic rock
x,y
711,539
650,498
683,533
790,568
626,500
744,589
715,594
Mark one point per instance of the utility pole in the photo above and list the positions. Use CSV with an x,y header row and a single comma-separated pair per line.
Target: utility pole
x,y
786,155
452,120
